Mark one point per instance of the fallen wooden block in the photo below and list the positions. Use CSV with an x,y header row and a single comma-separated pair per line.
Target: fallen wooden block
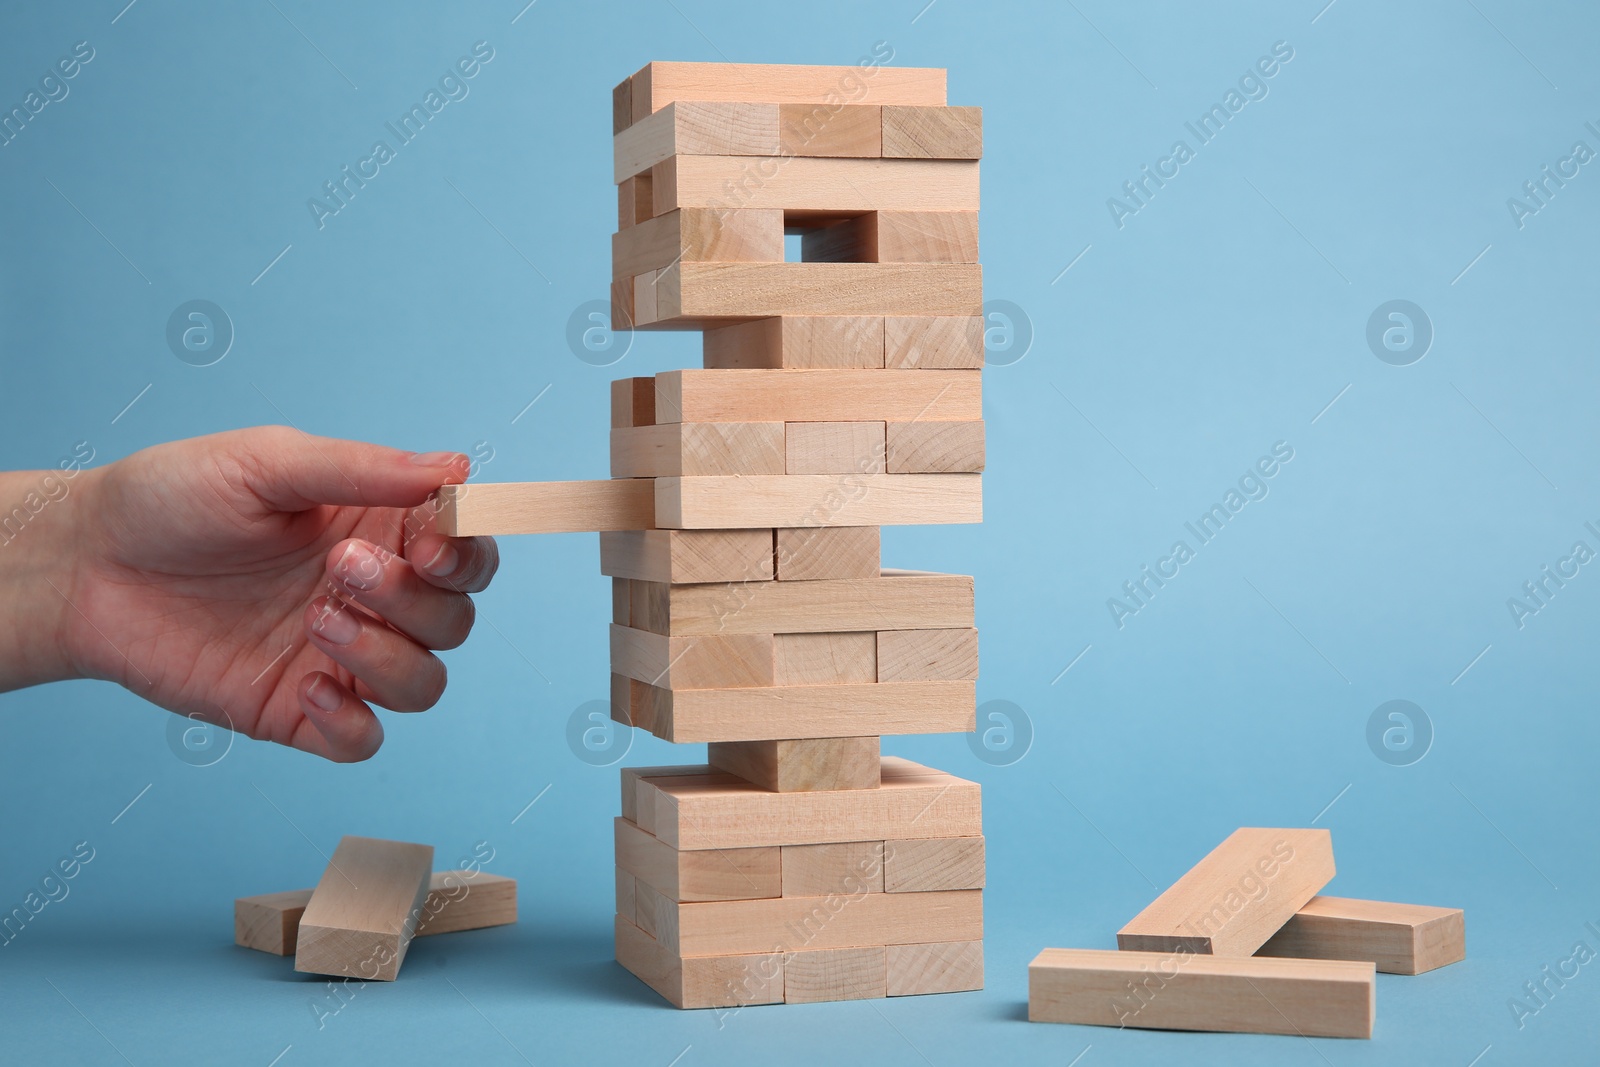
x,y
689,556
793,924
825,448
927,655
696,128
700,981
933,132
706,874
496,508
801,764
1236,898
457,900
1185,991
926,864
1399,938
699,448
770,713
704,661
893,600
940,967
818,500
810,553
697,235
364,911
797,342
930,447
824,186
706,295
933,342
655,85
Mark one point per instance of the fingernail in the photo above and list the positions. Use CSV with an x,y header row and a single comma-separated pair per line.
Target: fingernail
x,y
336,623
323,695
444,561
438,459
358,568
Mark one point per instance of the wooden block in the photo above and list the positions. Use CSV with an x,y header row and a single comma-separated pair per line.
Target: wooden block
x,y
622,304
848,240
818,186
925,447
938,342
695,128
707,874
817,395
496,508
621,596
797,342
928,864
1399,938
364,911
698,448
705,661
827,447
771,713
891,601
933,132
713,811
630,703
824,659
818,500
625,894
820,552
658,84
848,130
706,295
635,201
847,868
923,237
621,106
729,927
835,974
801,764
940,967
682,556
927,655
702,981
633,402
456,900
1236,898
631,789
1184,991
652,911
697,235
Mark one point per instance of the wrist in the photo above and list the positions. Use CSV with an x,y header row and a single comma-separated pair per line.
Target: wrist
x,y
41,539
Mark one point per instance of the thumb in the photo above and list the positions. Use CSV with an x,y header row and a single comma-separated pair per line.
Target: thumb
x,y
289,470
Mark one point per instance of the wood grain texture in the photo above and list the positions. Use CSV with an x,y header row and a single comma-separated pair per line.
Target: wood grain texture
x,y
797,342
696,128
707,874
847,868
940,967
1236,898
922,865
836,974
1398,938
697,449
702,981
925,447
824,186
845,130
633,402
627,888
933,342
697,235
723,811
703,295
927,655
820,552
1185,991
684,556
818,500
818,396
635,201
795,765
705,661
923,237
826,448
933,132
496,508
621,106
825,658
719,928
365,909
891,601
658,84
769,713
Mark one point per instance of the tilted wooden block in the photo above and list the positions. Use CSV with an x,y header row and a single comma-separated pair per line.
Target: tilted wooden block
x,y
927,655
365,909
835,974
656,85
894,600
496,508
817,396
847,130
847,868
700,981
801,764
926,447
1236,898
818,500
922,237
707,874
698,448
940,967
1185,991
825,448
456,900
704,295
769,713
797,342
926,864
696,128
723,811
825,186
684,556
697,235
730,927
633,402
933,132
936,342
818,552
1399,938
705,661
825,658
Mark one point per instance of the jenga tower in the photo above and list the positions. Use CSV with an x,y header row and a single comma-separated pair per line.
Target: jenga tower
x,y
839,394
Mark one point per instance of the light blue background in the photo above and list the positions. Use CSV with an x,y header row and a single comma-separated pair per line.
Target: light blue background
x,y
1223,317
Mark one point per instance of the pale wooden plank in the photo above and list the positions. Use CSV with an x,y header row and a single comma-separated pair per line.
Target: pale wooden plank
x,y
927,655
847,868
933,342
845,130
697,235
719,928
660,83
497,508
890,601
820,552
825,448
924,864
818,500
836,974
1398,938
933,132
685,556
817,395
929,447
801,764
704,661
704,295
768,713
940,967
797,342
365,909
698,128
707,874
820,185
698,448
702,981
